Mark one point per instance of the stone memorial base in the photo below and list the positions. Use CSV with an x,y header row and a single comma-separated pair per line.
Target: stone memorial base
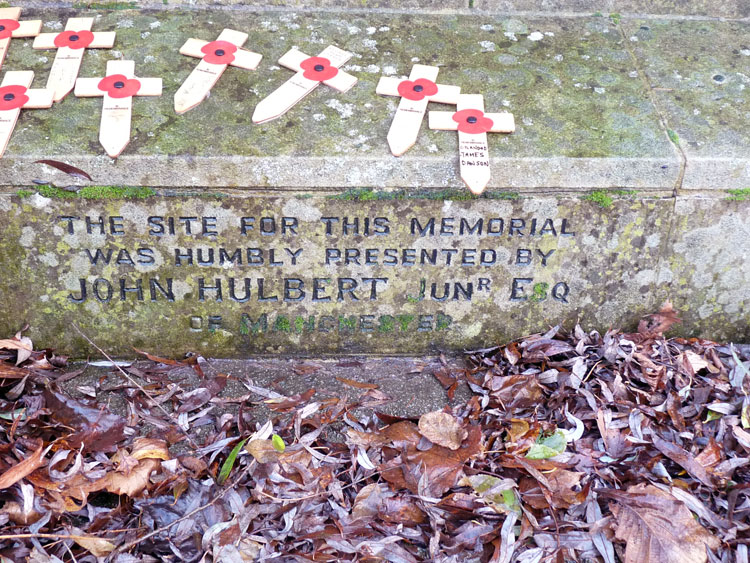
x,y
624,185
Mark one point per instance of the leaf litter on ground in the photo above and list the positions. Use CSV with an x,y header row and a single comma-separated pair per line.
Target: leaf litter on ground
x,y
574,446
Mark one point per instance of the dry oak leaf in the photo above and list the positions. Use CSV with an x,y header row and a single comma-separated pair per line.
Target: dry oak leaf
x,y
442,429
657,528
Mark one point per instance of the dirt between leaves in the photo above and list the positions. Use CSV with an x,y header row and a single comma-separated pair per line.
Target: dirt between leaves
x,y
563,446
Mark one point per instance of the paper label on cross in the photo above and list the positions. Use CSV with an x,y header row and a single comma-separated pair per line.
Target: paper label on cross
x,y
311,71
415,93
117,88
215,57
16,95
10,27
70,45
473,125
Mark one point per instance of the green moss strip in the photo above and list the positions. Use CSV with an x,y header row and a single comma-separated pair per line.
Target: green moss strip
x,y
91,192
742,194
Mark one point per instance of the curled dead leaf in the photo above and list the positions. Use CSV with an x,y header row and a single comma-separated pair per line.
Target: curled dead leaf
x,y
442,429
263,451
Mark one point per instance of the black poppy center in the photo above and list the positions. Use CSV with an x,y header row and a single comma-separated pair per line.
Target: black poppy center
x,y
9,97
119,84
418,88
74,37
319,68
2,28
471,119
220,52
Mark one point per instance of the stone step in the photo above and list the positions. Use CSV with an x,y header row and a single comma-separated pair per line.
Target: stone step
x,y
622,187
596,101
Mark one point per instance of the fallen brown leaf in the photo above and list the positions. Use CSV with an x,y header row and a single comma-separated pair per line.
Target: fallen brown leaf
x,y
657,528
442,429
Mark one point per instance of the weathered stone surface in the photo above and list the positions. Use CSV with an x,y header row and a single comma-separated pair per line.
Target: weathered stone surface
x,y
707,273
707,8
700,73
584,117
538,261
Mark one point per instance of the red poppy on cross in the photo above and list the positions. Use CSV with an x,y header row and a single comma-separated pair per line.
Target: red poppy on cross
x,y
117,89
11,27
311,71
16,95
70,45
473,125
415,94
215,57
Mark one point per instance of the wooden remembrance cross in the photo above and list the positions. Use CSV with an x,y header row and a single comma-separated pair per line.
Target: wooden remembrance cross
x,y
473,125
70,45
216,56
16,95
118,89
11,27
415,94
311,71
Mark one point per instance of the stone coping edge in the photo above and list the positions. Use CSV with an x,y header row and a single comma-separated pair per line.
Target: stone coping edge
x,y
321,173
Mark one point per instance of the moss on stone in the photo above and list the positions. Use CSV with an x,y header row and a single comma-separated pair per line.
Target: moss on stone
x,y
93,192
540,291
116,192
55,192
742,194
615,17
603,198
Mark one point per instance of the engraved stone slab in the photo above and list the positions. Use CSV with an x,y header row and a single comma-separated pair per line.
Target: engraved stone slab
x,y
236,275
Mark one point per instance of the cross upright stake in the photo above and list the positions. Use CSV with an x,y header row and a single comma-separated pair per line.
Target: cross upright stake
x,y
311,71
117,88
216,56
11,27
70,45
473,125
16,95
415,94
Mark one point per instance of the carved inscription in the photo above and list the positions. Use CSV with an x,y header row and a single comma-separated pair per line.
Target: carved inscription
x,y
268,273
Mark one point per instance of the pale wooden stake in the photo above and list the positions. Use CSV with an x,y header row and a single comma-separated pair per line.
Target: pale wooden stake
x,y
198,84
37,98
28,28
408,119
62,76
114,131
286,96
474,154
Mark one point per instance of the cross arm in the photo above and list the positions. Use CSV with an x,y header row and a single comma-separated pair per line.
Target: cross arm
x,y
192,48
47,40
388,86
446,94
39,98
89,87
28,28
18,78
442,121
502,122
10,13
292,59
342,82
